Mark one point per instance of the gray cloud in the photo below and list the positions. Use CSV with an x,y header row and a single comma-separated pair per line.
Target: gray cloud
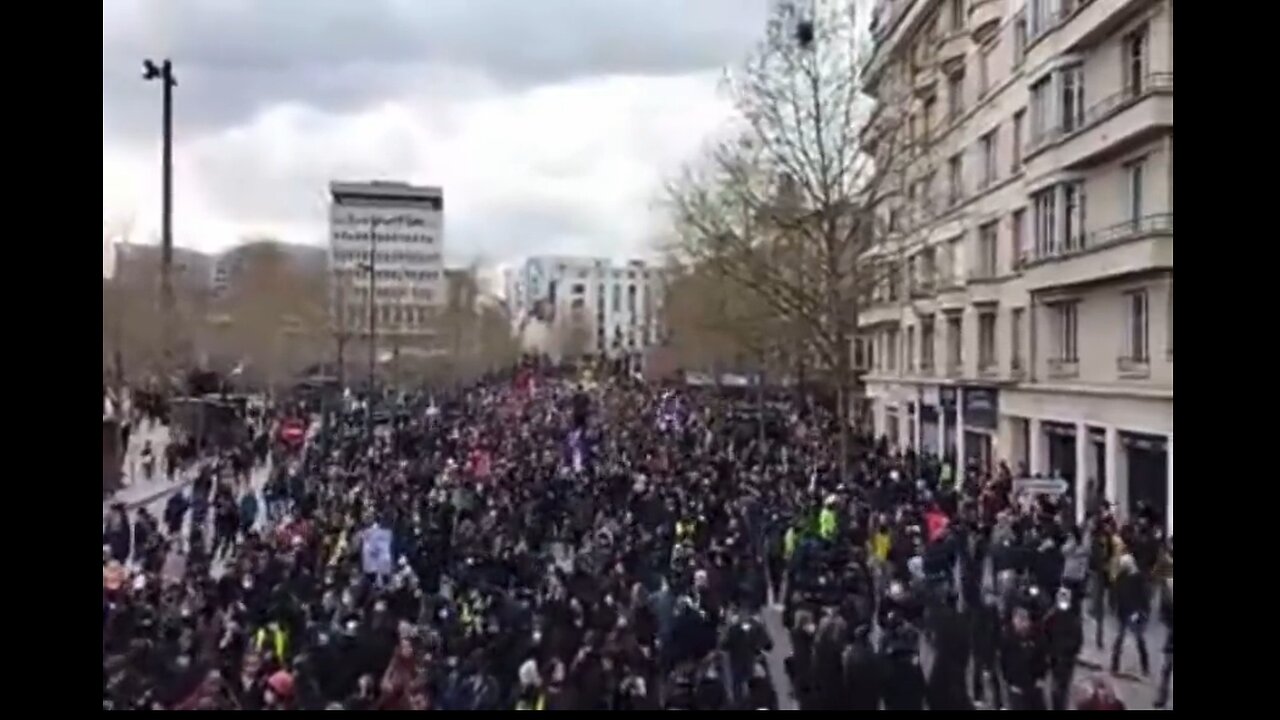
x,y
237,57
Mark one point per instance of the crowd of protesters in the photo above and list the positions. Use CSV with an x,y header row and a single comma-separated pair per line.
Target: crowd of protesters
x,y
538,543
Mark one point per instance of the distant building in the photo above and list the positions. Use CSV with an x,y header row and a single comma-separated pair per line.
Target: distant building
x,y
404,226
306,260
574,305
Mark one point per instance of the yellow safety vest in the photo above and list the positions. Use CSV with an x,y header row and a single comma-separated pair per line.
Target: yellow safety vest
x,y
278,641
827,524
789,543
538,704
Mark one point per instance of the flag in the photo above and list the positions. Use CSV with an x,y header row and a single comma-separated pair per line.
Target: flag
x,y
937,521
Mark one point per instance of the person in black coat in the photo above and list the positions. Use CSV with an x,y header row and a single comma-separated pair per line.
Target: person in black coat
x,y
1024,661
1131,610
946,689
861,672
984,624
1064,631
175,509
904,686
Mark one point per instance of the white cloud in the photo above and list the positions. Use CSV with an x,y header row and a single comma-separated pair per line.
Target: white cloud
x,y
571,167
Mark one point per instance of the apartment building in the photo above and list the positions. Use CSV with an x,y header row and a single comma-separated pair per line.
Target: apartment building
x,y
583,305
1031,319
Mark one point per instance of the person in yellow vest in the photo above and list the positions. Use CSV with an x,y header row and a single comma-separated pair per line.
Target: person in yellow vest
x,y
789,543
827,519
273,638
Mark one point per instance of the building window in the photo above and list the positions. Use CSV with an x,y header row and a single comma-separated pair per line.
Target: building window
x,y
984,69
631,300
895,280
577,303
1133,189
1015,338
1019,37
926,343
1135,61
987,250
954,267
988,144
1040,108
955,179
1017,237
579,289
1046,236
1018,119
956,14
1073,215
891,350
910,351
955,342
1064,332
1042,16
617,298
987,340
1168,319
1135,345
1072,98
955,95
926,119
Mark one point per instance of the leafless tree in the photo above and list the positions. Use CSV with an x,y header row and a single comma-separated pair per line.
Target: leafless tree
x,y
799,204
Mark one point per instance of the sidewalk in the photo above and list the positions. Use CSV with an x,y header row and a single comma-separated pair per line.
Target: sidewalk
x,y
138,490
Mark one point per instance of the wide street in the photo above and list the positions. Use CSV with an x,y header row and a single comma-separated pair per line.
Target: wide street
x,y
1136,691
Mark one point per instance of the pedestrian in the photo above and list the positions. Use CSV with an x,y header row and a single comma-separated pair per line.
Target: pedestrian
x,y
1024,662
1131,612
1065,633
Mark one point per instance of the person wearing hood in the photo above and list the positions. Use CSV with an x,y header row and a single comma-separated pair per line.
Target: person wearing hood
x,y
1075,566
946,685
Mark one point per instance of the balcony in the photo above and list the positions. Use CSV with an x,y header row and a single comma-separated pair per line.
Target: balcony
x,y
1122,249
952,48
984,18
926,366
988,369
1132,368
923,289
1078,25
1062,369
1122,120
925,81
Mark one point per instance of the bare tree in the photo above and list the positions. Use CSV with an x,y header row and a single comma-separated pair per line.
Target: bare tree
x,y
273,315
793,204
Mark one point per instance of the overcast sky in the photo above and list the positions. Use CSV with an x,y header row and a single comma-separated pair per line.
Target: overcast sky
x,y
549,123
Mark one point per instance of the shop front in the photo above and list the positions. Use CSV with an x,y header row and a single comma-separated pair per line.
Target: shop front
x,y
929,429
1148,464
1061,441
947,400
981,407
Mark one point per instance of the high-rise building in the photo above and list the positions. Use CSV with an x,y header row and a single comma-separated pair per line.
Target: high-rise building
x,y
394,231
1031,320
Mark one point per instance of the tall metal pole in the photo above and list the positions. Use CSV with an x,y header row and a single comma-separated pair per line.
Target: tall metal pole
x,y
164,73
373,319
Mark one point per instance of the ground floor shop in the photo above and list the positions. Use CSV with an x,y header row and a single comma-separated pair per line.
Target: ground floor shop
x,y
1103,445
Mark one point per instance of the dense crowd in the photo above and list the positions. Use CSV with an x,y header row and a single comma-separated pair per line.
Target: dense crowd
x,y
534,542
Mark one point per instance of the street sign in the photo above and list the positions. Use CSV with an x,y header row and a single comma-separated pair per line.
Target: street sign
x,y
1041,486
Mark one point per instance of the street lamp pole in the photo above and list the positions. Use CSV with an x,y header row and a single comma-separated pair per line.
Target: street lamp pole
x,y
373,320
164,73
